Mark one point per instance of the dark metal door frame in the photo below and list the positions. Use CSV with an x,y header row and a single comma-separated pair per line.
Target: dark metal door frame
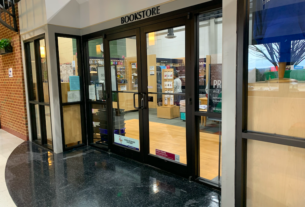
x,y
126,152
82,94
40,102
189,17
179,168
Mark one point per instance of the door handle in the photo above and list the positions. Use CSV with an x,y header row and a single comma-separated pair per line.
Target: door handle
x,y
134,101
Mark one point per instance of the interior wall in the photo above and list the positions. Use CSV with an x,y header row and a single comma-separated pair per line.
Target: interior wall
x,y
66,52
110,23
94,11
168,48
32,14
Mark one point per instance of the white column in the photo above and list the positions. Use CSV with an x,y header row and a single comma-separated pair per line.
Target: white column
x,y
229,102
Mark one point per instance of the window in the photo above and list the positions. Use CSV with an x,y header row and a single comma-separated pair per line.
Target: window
x,y
71,91
38,88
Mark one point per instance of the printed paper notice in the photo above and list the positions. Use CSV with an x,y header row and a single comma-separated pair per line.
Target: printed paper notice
x,y
123,88
152,68
152,72
73,96
92,92
126,141
74,83
10,72
99,91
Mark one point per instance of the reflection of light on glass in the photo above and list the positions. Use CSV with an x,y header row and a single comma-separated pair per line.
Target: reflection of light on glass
x,y
98,49
155,188
151,38
42,52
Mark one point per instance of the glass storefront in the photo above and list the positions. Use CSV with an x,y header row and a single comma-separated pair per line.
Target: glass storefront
x,y
273,122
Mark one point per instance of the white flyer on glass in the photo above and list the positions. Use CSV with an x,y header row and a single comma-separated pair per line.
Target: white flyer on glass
x,y
123,88
73,96
99,92
126,141
92,92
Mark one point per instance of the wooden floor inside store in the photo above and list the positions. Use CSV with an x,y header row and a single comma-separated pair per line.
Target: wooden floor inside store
x,y
172,139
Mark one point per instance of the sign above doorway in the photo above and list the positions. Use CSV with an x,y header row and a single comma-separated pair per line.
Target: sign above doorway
x,y
141,15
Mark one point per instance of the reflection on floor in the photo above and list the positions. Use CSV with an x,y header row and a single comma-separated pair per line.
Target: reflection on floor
x,y
8,143
87,177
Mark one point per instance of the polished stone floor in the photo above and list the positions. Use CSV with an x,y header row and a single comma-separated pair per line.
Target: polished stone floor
x,y
89,177
8,143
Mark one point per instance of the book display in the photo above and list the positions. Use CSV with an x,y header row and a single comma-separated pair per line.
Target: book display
x,y
168,110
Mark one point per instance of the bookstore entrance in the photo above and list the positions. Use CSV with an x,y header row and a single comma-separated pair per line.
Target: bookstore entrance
x,y
141,99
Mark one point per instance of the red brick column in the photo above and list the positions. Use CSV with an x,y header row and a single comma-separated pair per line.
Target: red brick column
x,y
13,114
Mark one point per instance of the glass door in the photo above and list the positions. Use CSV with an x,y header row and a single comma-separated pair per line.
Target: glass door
x,y
122,69
166,86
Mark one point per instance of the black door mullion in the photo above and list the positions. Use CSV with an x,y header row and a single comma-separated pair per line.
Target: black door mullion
x,y
33,122
143,90
82,88
40,92
191,60
107,66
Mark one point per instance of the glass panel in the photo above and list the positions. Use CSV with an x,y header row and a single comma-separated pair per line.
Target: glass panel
x,y
276,67
100,124
210,62
275,175
48,126
69,74
124,73
44,71
72,125
33,75
97,87
37,116
210,153
166,86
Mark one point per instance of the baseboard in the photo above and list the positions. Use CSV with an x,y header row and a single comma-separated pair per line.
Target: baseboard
x,y
17,134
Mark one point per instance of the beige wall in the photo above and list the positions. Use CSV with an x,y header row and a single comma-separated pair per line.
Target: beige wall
x,y
65,47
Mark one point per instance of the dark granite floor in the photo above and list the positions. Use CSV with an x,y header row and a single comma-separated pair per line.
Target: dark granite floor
x,y
88,177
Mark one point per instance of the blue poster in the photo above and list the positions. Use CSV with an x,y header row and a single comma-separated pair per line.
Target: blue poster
x,y
74,83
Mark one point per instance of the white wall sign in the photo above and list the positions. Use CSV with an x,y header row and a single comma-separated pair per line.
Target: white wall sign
x,y
10,72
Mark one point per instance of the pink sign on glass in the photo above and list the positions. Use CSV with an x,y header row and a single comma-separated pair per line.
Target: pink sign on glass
x,y
168,155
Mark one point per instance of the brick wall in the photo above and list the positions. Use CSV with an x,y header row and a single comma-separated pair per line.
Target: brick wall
x,y
13,114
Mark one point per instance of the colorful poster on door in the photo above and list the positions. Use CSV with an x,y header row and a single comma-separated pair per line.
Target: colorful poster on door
x,y
126,141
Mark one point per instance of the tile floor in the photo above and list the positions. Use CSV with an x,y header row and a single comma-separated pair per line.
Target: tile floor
x,y
8,143
89,177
